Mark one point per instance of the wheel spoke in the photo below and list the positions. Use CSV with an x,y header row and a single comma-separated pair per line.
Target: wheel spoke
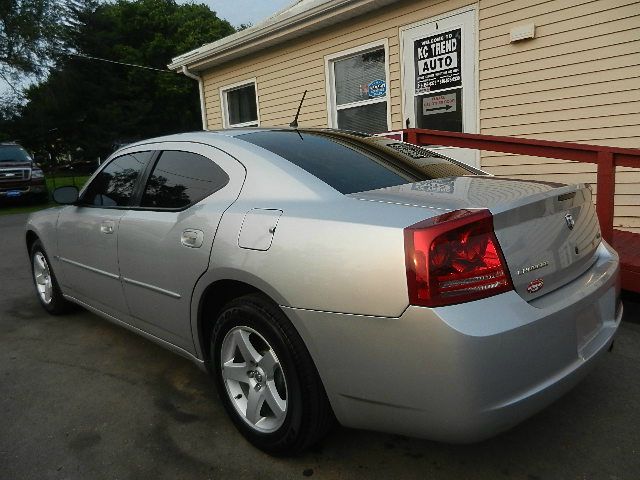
x,y
40,280
272,397
235,371
254,404
41,262
249,353
268,363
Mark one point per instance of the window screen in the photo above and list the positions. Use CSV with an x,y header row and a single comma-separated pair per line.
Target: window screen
x,y
370,118
352,163
114,186
180,179
355,74
361,92
241,105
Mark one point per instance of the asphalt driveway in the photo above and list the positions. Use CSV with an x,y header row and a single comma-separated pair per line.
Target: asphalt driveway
x,y
81,398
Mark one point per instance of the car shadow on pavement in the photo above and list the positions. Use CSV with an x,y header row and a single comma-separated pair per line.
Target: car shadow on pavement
x,y
111,404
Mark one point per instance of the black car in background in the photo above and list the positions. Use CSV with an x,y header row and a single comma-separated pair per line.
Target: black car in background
x,y
20,176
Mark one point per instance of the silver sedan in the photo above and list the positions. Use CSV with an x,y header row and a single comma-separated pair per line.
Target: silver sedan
x,y
323,275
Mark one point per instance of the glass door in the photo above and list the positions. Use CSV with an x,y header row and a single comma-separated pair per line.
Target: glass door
x,y
439,82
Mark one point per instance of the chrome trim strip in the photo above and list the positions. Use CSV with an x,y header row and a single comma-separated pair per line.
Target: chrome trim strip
x,y
152,288
91,269
374,402
343,313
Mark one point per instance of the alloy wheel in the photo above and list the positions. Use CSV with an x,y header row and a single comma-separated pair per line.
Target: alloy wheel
x,y
254,379
42,277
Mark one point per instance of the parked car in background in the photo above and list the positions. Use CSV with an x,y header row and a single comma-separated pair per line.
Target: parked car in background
x,y
317,273
20,176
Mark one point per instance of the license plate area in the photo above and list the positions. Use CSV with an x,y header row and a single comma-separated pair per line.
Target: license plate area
x,y
591,322
587,327
13,193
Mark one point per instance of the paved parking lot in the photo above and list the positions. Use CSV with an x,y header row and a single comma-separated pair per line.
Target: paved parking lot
x,y
81,398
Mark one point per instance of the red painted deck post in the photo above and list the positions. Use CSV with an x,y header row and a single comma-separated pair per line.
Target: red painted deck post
x,y
411,136
606,193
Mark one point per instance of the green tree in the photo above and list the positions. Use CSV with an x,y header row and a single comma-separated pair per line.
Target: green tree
x,y
89,105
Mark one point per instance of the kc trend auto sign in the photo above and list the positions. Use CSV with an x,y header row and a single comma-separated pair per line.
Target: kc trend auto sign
x,y
438,61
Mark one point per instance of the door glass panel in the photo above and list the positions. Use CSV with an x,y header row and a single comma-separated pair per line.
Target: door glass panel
x,y
115,185
370,118
355,75
440,111
180,179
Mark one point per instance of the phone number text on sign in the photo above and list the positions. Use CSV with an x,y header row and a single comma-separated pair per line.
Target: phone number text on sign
x,y
437,61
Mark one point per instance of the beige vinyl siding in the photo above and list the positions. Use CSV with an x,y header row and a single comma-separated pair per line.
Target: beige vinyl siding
x,y
578,80
284,72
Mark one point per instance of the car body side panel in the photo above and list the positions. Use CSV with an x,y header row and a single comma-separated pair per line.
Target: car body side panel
x,y
158,272
89,257
340,265
43,224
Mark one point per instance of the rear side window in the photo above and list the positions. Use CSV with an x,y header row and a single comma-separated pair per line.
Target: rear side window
x,y
352,163
180,179
115,185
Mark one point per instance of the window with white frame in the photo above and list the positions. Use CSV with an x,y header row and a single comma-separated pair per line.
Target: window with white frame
x,y
240,105
359,99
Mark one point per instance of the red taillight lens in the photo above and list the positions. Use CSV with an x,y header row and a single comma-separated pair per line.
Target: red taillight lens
x,y
454,258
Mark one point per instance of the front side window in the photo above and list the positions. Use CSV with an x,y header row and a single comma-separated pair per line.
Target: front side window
x,y
180,179
115,185
360,97
240,106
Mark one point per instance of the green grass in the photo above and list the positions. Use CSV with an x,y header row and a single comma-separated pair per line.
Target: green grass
x,y
52,184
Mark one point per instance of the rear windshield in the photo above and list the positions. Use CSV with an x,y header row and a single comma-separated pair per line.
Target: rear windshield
x,y
13,153
351,163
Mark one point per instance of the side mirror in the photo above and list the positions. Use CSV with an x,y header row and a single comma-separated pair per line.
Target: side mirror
x,y
66,195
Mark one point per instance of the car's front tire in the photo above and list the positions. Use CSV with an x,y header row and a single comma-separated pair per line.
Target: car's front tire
x,y
45,282
266,378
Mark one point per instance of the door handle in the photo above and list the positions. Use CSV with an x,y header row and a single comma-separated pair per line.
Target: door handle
x,y
107,227
192,238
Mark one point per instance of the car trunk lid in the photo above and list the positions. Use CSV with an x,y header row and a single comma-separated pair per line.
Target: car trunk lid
x,y
548,232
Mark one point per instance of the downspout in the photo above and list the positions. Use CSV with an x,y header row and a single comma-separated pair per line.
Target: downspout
x,y
203,106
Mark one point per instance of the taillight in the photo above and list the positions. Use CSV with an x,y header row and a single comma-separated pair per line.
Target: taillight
x,y
454,258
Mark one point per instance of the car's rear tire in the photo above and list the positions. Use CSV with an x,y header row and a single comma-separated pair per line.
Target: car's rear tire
x,y
266,378
46,285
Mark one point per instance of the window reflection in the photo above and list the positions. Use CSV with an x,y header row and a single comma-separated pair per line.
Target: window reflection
x,y
114,185
180,179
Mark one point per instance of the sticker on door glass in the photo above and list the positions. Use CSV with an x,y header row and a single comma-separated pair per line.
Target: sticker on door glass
x,y
437,61
445,102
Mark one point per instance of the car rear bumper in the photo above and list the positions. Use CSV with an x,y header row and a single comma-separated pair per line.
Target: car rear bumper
x,y
465,372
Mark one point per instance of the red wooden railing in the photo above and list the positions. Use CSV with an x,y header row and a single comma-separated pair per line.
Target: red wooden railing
x,y
606,158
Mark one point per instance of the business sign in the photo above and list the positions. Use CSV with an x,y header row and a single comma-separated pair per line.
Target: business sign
x,y
439,103
438,61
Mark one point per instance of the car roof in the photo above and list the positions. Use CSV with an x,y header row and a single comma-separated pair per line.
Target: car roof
x,y
207,136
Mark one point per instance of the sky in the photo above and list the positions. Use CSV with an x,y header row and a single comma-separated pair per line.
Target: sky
x,y
245,11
